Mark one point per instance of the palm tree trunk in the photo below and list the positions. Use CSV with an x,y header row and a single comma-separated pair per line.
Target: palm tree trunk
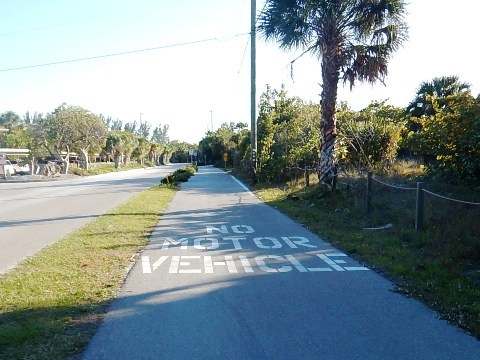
x,y
330,76
85,158
65,160
117,158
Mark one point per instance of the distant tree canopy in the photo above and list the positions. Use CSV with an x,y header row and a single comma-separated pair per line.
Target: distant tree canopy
x,y
231,138
69,129
180,151
9,118
438,88
160,134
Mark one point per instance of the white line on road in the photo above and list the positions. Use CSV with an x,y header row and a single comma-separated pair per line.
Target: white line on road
x,y
243,186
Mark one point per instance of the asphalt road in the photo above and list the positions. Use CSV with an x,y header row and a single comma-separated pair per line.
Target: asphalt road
x,y
36,214
227,277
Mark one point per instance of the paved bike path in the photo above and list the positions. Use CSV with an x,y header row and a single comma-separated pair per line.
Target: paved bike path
x,y
228,277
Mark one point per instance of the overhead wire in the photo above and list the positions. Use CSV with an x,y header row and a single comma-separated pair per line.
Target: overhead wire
x,y
121,53
128,51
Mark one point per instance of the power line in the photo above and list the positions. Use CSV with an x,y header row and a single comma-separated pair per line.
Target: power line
x,y
243,57
108,55
121,53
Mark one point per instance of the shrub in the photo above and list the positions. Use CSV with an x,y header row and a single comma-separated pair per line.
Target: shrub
x,y
451,139
180,175
168,180
369,138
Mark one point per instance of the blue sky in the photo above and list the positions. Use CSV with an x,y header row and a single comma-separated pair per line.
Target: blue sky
x,y
192,86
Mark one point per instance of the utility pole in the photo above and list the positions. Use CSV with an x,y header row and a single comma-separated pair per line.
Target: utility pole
x,y
253,105
211,119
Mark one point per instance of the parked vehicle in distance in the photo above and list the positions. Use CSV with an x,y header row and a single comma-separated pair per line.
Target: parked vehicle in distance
x,y
19,167
8,169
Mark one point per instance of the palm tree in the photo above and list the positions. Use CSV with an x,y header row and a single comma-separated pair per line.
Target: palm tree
x,y
440,88
9,119
353,39
115,145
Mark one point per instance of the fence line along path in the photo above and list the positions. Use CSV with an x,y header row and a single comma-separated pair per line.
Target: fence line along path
x,y
420,199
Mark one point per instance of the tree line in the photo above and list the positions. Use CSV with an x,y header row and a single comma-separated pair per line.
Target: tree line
x,y
440,127
74,130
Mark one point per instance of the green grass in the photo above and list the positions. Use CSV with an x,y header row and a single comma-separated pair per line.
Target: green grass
x,y
51,304
97,169
440,265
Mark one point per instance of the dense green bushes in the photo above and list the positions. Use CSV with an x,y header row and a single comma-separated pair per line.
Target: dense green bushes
x,y
180,175
450,138
231,139
369,138
288,135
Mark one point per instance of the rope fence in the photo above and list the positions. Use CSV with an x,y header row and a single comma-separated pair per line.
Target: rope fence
x,y
394,186
450,199
420,199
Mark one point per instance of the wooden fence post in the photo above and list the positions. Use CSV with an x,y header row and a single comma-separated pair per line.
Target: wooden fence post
x,y
369,191
419,207
307,177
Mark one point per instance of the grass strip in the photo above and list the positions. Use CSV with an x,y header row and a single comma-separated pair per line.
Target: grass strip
x,y
97,169
439,266
51,304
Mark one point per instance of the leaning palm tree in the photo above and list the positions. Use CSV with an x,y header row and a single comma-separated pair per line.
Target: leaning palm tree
x,y
353,39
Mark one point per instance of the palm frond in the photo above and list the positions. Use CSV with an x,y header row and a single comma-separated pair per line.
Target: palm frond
x,y
365,63
286,23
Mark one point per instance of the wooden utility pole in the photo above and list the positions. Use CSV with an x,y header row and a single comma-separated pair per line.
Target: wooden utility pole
x,y
253,105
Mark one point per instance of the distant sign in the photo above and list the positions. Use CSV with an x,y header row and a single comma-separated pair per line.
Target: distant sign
x,y
3,159
225,157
